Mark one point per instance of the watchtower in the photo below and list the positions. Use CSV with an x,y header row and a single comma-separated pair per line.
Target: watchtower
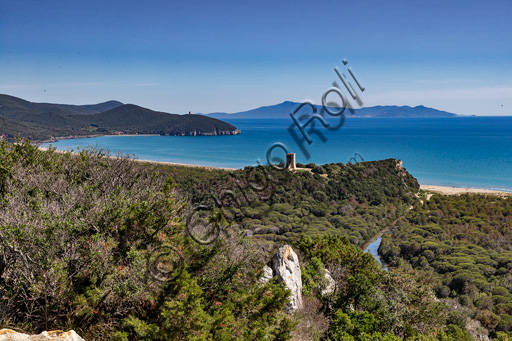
x,y
290,161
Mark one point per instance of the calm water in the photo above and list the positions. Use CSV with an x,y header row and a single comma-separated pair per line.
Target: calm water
x,y
471,152
373,248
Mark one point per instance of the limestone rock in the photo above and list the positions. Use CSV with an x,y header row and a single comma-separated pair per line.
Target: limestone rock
x,y
267,274
330,284
11,335
285,264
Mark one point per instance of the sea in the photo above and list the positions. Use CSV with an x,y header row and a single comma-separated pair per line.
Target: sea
x,y
469,152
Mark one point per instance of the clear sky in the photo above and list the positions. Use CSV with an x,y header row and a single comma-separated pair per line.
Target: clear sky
x,y
207,56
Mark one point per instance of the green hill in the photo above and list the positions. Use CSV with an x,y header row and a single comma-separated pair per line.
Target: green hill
x,y
128,118
19,109
48,122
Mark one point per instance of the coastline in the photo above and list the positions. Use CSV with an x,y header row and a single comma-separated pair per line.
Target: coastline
x,y
428,188
460,190
57,139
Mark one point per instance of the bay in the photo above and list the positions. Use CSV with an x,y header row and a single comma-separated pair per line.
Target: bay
x,y
473,152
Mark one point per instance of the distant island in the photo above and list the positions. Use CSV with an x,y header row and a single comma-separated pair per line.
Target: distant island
x,y
283,110
49,122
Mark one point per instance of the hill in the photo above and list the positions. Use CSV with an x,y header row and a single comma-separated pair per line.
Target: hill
x,y
48,122
321,200
9,129
283,110
128,118
19,109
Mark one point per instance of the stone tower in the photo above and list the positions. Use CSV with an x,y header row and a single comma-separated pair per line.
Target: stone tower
x,y
290,161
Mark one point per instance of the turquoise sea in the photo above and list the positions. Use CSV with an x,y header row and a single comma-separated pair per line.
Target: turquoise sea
x,y
473,152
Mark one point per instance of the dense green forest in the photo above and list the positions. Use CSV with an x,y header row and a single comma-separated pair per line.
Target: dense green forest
x,y
352,200
466,241
99,243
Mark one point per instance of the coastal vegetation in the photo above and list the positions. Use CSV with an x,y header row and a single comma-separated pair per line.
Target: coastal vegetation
x,y
97,243
352,200
466,242
460,243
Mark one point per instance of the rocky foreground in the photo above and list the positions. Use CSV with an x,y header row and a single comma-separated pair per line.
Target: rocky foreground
x,y
11,335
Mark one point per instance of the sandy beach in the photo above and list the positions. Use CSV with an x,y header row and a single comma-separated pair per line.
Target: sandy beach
x,y
458,190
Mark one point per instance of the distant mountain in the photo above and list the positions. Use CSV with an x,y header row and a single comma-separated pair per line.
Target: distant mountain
x,y
46,121
283,110
403,111
273,111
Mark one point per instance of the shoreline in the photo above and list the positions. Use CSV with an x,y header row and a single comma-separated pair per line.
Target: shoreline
x,y
57,139
72,137
130,135
461,190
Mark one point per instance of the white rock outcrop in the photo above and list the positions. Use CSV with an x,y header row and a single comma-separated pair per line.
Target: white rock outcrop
x,y
11,335
285,265
330,284
267,274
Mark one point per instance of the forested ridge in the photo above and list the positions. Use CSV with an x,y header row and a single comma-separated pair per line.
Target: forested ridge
x,y
98,243
352,200
48,122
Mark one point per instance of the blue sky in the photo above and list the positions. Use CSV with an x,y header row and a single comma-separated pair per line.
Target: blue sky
x,y
207,56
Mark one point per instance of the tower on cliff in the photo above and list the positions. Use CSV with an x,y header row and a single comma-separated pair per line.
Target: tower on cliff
x,y
290,161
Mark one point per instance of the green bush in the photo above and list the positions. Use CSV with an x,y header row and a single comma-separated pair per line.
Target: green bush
x,y
97,244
